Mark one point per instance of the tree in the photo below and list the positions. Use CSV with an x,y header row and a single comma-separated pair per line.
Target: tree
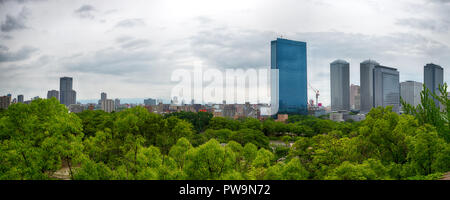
x,y
208,161
246,135
37,138
179,150
427,112
294,170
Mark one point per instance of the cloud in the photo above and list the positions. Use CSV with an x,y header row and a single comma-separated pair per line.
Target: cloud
x,y
15,22
85,11
6,37
426,24
22,54
440,1
130,23
112,61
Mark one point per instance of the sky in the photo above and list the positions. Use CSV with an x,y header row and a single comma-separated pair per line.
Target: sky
x,y
129,49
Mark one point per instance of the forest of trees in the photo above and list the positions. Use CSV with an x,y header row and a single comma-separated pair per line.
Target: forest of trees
x,y
40,138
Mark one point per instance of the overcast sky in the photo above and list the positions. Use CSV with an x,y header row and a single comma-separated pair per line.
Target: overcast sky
x,y
129,49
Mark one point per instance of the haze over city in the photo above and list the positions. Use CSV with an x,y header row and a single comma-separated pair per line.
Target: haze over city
x,y
130,50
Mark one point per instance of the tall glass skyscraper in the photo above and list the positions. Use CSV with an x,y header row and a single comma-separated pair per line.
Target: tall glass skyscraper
x,y
67,94
386,87
366,89
289,57
433,76
340,85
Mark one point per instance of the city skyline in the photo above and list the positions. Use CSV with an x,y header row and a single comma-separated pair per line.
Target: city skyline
x,y
121,49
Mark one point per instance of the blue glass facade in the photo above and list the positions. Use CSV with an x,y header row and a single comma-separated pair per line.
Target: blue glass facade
x,y
289,57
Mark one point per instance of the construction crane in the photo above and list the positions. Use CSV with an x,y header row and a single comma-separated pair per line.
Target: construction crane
x,y
317,93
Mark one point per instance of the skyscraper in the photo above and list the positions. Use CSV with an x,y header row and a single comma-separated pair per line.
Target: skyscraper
x,y
366,80
433,76
5,101
355,97
116,103
102,97
340,83
150,102
53,93
107,105
67,94
386,87
289,57
20,98
410,92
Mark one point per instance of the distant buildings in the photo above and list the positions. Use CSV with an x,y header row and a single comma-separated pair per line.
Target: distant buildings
x,y
339,85
116,103
53,93
108,105
366,80
433,76
5,101
20,98
379,86
289,57
410,92
355,97
150,102
76,108
386,87
67,94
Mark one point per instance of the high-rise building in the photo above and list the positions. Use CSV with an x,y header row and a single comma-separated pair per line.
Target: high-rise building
x,y
107,105
289,57
102,97
386,87
340,83
67,94
116,103
5,101
150,102
53,93
433,76
20,98
410,92
355,97
366,80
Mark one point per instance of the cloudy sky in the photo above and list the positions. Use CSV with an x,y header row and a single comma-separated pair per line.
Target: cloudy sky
x,y
129,49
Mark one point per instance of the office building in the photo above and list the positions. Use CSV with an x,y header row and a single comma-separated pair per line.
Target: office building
x,y
366,80
410,92
5,101
150,102
355,97
20,98
340,85
386,87
76,108
53,93
107,105
67,94
289,57
116,103
433,76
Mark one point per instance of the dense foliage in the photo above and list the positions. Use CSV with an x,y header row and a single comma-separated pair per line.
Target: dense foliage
x,y
39,139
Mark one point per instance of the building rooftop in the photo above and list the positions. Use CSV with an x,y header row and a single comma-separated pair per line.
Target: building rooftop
x,y
339,61
390,68
370,62
282,40
433,65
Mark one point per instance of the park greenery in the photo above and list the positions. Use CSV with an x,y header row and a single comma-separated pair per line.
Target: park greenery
x,y
38,139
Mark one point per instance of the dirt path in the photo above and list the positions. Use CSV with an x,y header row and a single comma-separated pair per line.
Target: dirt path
x,y
446,176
